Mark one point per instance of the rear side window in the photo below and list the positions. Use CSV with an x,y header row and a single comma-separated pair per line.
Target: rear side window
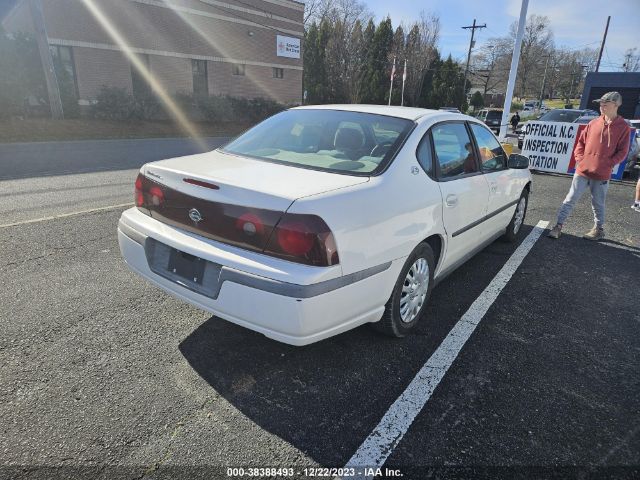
x,y
424,155
454,150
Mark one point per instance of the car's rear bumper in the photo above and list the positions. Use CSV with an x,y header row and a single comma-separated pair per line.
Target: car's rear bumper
x,y
298,312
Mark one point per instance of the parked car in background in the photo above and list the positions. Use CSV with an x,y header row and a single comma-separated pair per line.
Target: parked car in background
x,y
535,105
323,218
633,159
491,117
559,115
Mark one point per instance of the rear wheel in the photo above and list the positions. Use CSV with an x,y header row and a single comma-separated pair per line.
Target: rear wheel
x,y
517,220
410,293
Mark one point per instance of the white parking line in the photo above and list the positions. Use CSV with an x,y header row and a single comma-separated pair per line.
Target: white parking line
x,y
36,220
385,437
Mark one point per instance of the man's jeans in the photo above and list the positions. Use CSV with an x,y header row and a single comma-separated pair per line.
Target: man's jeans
x,y
598,195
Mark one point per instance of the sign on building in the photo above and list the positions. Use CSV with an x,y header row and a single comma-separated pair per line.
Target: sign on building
x,y
549,146
287,46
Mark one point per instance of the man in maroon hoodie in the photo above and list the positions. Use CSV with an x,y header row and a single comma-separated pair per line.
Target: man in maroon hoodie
x,y
600,147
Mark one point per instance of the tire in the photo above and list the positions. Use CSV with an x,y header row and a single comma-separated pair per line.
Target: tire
x,y
400,304
515,225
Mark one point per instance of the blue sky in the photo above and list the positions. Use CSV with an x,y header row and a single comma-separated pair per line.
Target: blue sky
x,y
575,23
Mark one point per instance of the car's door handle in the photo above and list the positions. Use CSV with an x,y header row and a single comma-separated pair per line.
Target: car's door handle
x,y
452,200
493,187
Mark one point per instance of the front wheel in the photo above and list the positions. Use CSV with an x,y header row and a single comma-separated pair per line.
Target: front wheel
x,y
517,220
410,293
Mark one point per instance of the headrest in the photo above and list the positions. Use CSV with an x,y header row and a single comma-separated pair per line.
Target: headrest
x,y
348,139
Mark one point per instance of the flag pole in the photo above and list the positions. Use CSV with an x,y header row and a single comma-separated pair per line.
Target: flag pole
x,y
393,72
404,77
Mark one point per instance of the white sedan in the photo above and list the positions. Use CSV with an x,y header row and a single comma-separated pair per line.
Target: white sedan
x,y
323,218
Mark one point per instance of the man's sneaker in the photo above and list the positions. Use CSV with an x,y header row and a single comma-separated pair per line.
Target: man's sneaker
x,y
555,232
594,234
636,207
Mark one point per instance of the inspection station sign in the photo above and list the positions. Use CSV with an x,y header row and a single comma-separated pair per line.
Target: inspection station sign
x,y
549,145
287,46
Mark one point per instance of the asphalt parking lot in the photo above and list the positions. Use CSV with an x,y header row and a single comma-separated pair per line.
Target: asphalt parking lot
x,y
104,376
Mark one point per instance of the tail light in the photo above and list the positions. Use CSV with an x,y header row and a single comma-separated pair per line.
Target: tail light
x,y
304,239
148,194
298,238
139,195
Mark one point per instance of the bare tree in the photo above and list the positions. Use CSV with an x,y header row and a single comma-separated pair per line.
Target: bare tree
x,y
346,11
631,60
490,66
537,44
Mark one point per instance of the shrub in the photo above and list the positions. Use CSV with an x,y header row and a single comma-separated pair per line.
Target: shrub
x,y
516,107
218,109
147,107
113,103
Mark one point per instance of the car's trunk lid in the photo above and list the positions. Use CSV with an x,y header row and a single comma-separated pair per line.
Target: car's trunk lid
x,y
216,194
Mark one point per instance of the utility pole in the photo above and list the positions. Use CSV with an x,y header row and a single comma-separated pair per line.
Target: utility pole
x,y
55,102
544,79
466,70
604,39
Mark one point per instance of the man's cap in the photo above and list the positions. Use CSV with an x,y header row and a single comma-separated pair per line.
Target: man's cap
x,y
610,97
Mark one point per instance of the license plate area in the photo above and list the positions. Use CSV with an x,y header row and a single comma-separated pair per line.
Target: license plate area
x,y
186,266
189,271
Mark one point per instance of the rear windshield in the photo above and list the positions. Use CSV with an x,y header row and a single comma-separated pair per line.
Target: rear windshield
x,y
494,115
560,116
337,141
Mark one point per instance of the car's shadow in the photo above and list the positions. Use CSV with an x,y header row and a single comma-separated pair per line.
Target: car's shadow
x,y
325,398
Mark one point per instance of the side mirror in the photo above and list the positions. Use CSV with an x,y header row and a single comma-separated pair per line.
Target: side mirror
x,y
518,161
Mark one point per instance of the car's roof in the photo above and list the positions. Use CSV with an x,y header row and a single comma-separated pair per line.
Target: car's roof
x,y
570,109
410,113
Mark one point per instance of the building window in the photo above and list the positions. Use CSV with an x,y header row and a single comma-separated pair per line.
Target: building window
x,y
141,87
65,70
278,73
238,69
200,78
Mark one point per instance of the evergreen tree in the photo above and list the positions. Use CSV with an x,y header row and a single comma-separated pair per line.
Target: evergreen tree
x,y
376,80
446,86
324,34
311,64
367,44
477,101
426,97
398,52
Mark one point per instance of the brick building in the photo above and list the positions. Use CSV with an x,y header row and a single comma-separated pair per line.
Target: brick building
x,y
241,48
